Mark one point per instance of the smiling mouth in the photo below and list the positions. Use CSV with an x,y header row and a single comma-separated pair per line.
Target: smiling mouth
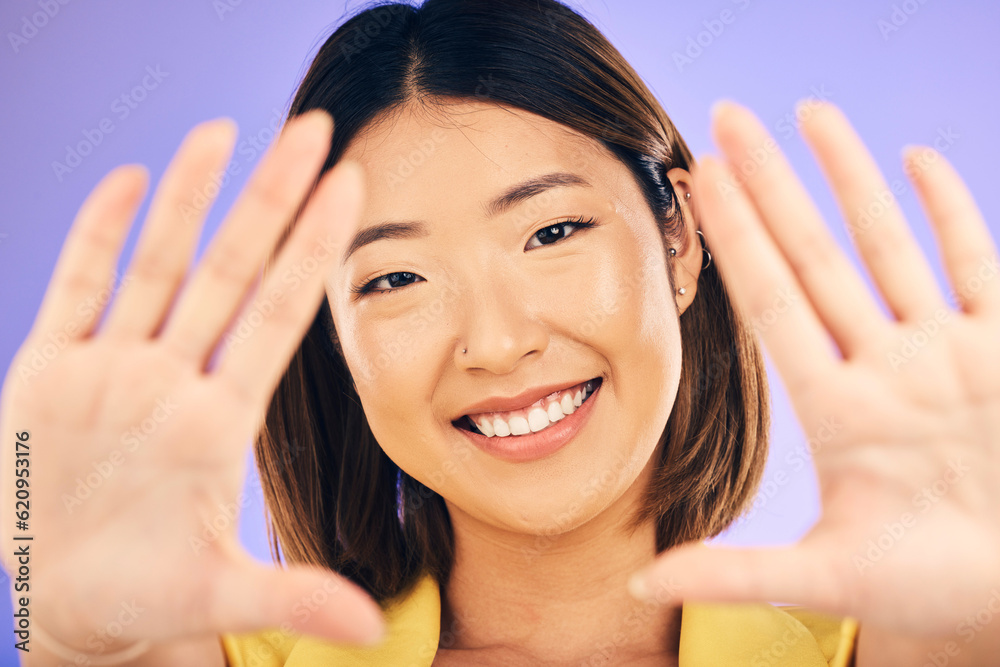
x,y
530,420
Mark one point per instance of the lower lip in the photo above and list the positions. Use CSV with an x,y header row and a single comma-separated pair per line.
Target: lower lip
x,y
533,446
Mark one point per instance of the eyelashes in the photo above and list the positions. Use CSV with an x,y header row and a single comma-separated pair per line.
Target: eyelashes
x,y
550,237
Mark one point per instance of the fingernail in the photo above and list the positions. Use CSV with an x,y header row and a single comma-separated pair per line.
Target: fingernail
x,y
225,121
322,117
719,106
638,586
806,106
221,127
909,149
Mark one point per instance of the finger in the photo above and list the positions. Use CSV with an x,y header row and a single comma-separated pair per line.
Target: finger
x,y
839,295
874,219
170,235
723,574
251,229
968,251
759,279
252,597
73,302
254,364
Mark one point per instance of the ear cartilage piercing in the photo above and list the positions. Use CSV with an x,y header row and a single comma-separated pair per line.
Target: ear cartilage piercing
x,y
687,195
673,251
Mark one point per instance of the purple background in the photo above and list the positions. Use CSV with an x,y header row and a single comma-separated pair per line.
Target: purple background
x,y
905,72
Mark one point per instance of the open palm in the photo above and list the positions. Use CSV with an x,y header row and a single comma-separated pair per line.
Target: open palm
x,y
137,443
905,407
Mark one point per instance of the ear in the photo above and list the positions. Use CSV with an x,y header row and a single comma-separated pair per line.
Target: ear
x,y
689,258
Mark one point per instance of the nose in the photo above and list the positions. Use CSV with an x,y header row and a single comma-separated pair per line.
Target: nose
x,y
500,326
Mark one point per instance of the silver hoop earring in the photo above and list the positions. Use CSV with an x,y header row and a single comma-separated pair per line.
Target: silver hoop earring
x,y
705,250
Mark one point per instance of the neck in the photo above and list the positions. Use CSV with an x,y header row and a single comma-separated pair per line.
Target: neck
x,y
561,598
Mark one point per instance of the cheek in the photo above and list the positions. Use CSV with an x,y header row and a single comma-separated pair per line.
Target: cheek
x,y
627,313
395,360
624,306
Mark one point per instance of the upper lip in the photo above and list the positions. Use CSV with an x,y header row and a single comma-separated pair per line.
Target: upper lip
x,y
522,400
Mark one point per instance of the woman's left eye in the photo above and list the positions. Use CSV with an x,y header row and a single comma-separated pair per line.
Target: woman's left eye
x,y
552,233
395,281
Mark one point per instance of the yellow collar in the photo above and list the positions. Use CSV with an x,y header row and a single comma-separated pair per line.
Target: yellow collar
x,y
711,635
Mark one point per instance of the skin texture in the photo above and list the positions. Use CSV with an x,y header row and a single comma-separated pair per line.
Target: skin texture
x,y
935,422
899,385
544,537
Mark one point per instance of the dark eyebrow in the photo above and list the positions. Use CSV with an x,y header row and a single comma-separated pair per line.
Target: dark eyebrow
x,y
406,229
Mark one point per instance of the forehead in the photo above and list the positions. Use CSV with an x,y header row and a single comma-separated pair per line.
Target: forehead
x,y
448,139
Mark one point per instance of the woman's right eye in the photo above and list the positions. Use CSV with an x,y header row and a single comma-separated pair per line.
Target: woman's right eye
x,y
392,280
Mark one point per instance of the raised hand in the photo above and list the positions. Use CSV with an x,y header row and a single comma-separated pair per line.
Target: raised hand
x,y
908,404
158,434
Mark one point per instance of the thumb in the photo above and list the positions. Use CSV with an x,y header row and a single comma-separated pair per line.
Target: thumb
x,y
792,574
305,599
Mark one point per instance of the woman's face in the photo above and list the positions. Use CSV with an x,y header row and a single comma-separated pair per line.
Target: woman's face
x,y
536,303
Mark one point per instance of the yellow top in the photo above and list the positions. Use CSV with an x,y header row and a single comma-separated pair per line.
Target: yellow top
x,y
711,635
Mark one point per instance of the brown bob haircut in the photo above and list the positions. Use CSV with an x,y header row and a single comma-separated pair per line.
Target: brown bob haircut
x,y
334,498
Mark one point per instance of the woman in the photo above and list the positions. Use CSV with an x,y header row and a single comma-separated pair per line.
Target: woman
x,y
530,377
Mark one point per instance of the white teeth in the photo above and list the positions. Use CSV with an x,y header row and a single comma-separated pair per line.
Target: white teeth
x,y
500,428
518,426
537,419
486,427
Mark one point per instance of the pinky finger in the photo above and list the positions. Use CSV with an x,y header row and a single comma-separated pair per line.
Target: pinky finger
x,y
254,367
968,251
